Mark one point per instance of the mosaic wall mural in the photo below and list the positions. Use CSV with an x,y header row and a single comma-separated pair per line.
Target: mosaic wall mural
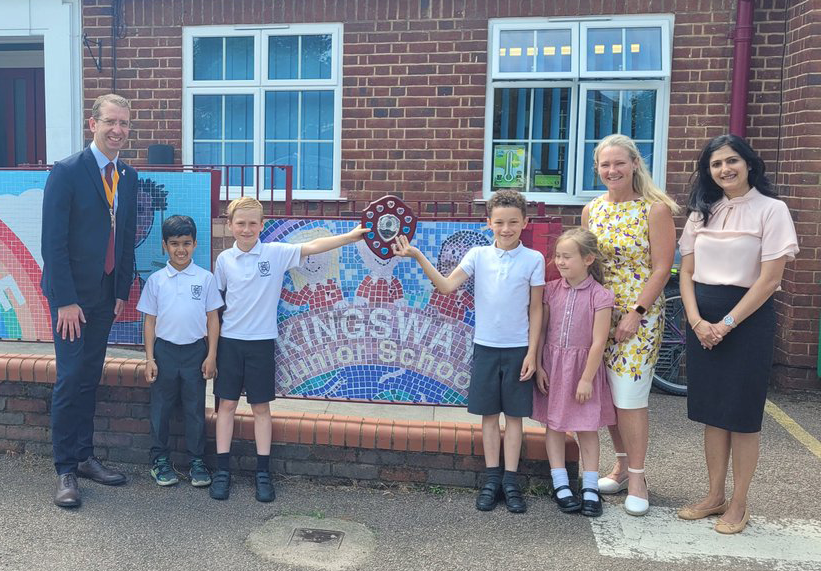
x,y
353,326
24,313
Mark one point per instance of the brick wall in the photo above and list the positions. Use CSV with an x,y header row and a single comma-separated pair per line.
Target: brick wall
x,y
414,76
333,448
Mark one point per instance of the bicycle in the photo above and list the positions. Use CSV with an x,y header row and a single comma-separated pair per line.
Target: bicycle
x,y
670,374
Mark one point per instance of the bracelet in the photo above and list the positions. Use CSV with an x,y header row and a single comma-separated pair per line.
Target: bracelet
x,y
693,327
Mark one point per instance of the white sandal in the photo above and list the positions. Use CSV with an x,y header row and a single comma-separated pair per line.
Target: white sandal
x,y
635,505
611,486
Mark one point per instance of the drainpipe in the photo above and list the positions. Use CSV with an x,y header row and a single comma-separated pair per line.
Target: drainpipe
x,y
742,52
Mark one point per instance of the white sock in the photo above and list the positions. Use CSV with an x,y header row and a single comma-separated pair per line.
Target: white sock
x,y
590,480
560,478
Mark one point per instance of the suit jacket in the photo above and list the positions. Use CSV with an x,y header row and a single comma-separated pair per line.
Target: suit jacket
x,y
76,228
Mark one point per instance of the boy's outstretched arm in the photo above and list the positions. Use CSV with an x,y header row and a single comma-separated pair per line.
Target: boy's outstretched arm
x,y
445,285
209,366
319,245
149,336
534,332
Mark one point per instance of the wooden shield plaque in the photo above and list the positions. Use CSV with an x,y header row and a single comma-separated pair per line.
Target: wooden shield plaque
x,y
386,219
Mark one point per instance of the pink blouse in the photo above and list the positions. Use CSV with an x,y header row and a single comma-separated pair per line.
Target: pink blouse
x,y
742,232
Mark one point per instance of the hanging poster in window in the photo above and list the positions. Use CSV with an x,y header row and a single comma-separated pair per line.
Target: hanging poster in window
x,y
509,166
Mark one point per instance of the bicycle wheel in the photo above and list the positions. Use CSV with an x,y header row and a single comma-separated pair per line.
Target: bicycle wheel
x,y
670,372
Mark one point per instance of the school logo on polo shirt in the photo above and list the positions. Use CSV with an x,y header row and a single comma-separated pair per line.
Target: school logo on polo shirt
x,y
264,268
196,292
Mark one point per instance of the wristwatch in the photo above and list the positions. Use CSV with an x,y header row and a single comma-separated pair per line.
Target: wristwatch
x,y
640,309
729,321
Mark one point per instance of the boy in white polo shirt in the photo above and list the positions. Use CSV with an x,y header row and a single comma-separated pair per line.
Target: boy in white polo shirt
x,y
180,304
250,274
509,280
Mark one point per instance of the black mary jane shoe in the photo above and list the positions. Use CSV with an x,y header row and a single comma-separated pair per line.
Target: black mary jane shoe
x,y
489,496
568,504
591,508
514,500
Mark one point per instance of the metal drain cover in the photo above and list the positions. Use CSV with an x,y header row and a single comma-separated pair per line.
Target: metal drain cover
x,y
326,537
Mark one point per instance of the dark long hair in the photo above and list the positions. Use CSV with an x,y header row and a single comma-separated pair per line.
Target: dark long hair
x,y
704,192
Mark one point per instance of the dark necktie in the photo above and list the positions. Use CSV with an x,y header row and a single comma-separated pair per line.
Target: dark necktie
x,y
109,254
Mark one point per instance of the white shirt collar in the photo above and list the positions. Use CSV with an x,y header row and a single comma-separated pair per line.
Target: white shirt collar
x,y
256,250
512,253
101,159
187,270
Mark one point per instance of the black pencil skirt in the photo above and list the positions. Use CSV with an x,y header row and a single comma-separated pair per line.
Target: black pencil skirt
x,y
727,385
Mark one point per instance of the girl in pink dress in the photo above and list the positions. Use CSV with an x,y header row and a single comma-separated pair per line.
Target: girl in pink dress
x,y
572,393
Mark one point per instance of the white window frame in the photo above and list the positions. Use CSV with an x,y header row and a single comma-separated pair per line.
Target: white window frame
x,y
659,141
258,87
582,82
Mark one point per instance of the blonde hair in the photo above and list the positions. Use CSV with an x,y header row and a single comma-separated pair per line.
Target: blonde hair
x,y
588,244
112,98
332,269
244,203
643,184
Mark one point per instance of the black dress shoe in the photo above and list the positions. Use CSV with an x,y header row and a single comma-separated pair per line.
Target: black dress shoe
x,y
93,469
591,508
489,496
67,492
514,500
568,504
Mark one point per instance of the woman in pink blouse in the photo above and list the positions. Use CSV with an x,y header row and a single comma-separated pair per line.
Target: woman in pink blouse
x,y
737,239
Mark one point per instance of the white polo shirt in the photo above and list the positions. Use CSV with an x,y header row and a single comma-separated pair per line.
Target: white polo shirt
x,y
503,279
252,282
180,300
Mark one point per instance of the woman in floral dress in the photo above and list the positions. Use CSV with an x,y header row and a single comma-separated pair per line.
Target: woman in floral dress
x,y
633,221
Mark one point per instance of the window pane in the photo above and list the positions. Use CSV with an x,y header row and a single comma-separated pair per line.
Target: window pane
x,y
638,114
207,153
646,150
316,57
239,55
643,49
510,113
207,58
283,57
239,117
602,111
316,160
590,179
516,50
280,154
240,154
281,114
604,49
553,50
318,115
509,165
207,117
551,113
548,167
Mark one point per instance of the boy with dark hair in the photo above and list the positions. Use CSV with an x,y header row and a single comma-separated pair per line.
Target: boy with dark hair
x,y
181,331
509,281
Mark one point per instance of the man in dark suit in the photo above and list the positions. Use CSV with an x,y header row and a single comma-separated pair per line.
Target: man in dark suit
x,y
89,223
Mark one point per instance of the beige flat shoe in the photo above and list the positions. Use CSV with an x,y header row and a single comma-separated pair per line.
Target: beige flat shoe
x,y
690,513
731,528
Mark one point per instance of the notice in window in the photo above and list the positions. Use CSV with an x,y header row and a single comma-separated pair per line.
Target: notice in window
x,y
509,166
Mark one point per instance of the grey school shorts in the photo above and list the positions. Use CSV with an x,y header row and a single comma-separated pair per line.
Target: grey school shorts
x,y
494,382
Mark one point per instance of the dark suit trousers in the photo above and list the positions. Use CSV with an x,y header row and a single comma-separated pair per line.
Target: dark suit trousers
x,y
179,380
79,370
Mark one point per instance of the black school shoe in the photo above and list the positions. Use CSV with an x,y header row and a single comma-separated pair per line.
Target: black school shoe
x,y
568,504
489,496
591,508
514,500
220,485
265,488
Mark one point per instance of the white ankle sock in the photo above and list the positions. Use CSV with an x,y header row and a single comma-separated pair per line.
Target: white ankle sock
x,y
590,480
560,478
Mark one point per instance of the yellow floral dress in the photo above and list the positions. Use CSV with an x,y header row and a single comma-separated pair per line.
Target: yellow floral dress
x,y
623,231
